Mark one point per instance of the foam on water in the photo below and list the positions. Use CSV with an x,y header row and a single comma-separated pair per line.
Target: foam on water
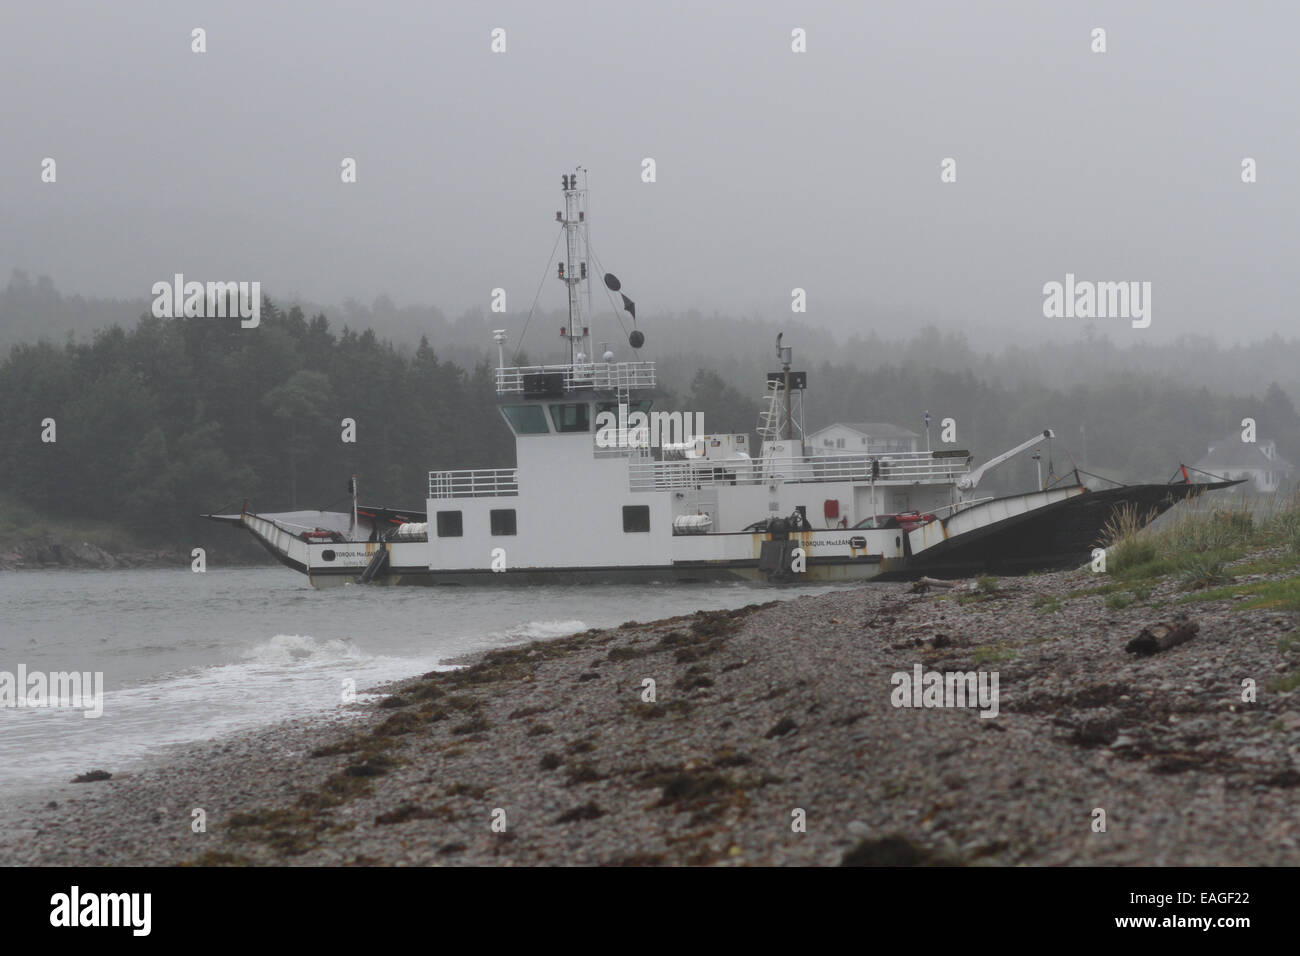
x,y
188,657
288,675
294,648
541,630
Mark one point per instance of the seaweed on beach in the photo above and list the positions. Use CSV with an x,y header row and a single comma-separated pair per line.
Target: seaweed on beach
x,y
403,723
93,776
475,725
629,653
411,811
374,766
583,773
527,712
588,811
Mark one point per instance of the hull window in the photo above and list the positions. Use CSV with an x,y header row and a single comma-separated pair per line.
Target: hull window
x,y
503,521
449,524
636,518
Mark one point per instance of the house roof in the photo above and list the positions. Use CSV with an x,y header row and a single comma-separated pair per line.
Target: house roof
x,y
871,429
1232,452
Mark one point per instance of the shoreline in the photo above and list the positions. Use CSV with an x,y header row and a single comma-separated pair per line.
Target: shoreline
x,y
760,712
50,551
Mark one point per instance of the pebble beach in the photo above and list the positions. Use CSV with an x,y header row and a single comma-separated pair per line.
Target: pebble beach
x,y
763,736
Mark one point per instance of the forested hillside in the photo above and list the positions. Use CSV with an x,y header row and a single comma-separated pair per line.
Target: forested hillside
x,y
169,418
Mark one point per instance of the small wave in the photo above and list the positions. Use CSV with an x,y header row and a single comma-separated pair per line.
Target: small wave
x,y
540,630
296,648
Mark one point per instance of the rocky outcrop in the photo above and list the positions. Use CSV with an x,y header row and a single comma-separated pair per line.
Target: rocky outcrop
x,y
52,551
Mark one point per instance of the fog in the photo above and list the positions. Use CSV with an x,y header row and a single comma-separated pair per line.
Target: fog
x,y
774,169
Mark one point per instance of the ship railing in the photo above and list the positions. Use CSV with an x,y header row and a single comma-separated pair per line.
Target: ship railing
x,y
959,506
905,468
594,376
474,483
621,443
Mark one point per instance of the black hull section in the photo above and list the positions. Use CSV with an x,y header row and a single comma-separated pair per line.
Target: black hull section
x,y
1062,535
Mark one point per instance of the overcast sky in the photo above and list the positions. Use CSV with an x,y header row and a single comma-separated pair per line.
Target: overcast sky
x,y
775,169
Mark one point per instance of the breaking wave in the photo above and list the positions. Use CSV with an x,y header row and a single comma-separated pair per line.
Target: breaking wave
x,y
541,630
296,648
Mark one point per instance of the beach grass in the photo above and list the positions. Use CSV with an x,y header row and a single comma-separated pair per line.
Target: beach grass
x,y
1205,547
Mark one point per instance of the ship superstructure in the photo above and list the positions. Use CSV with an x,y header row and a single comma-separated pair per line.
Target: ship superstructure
x,y
606,488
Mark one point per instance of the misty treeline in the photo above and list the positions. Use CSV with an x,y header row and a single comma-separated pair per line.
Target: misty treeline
x,y
170,418
155,425
1055,353
181,416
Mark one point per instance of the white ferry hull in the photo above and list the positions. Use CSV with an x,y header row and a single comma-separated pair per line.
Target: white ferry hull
x,y
327,564
1052,528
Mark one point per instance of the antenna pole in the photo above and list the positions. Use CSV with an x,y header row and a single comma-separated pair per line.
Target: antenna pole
x,y
573,271
786,355
499,337
789,422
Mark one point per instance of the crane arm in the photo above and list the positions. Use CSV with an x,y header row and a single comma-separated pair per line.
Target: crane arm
x,y
972,478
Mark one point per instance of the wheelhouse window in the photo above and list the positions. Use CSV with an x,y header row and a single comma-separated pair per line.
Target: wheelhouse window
x,y
526,419
572,417
450,524
503,521
636,518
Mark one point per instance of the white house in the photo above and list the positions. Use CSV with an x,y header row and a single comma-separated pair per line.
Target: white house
x,y
1258,462
861,438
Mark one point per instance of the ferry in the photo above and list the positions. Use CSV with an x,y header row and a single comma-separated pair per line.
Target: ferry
x,y
596,496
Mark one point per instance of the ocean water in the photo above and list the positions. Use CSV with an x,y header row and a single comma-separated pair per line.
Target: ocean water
x,y
186,657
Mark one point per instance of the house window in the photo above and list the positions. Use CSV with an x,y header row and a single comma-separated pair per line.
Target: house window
x,y
636,518
839,443
449,524
503,520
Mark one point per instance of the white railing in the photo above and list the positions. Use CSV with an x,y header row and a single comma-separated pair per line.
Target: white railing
x,y
473,483
603,376
960,506
621,448
905,468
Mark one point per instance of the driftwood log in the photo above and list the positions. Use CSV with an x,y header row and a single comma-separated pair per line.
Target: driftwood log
x,y
924,584
1162,636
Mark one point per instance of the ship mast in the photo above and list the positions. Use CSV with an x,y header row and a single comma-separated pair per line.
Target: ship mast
x,y
573,271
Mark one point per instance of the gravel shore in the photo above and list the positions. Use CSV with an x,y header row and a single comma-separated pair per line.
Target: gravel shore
x,y
761,718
